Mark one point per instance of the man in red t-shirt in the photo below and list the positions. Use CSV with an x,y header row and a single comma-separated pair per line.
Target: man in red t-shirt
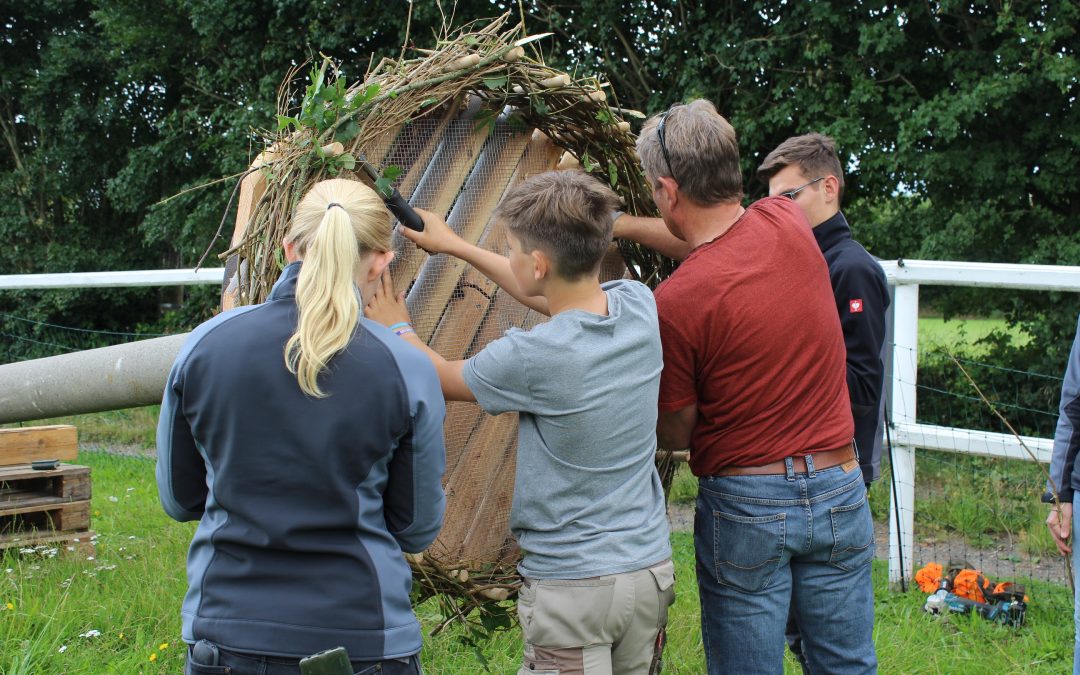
x,y
754,384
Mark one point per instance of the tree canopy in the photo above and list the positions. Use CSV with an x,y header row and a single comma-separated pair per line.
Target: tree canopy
x,y
956,118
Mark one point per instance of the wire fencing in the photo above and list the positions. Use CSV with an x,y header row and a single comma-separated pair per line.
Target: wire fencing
x,y
971,509
23,338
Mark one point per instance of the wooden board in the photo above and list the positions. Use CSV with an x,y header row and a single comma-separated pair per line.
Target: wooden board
x,y
27,520
22,486
27,444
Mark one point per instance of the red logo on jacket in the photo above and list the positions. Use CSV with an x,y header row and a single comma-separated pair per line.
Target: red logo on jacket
x,y
855,305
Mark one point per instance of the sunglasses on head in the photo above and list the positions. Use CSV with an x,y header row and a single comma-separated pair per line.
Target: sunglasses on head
x,y
663,144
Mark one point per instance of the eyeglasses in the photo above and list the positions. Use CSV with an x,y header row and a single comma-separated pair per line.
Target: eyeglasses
x,y
663,145
790,194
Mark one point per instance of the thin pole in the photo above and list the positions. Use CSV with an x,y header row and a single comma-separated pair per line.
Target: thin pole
x,y
895,495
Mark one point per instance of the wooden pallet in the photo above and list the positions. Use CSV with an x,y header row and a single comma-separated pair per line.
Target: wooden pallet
x,y
64,542
44,507
23,445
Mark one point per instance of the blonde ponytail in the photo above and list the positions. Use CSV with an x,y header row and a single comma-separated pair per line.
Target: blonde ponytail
x,y
336,223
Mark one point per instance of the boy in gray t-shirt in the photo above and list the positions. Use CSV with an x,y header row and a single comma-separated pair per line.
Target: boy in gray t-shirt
x,y
588,509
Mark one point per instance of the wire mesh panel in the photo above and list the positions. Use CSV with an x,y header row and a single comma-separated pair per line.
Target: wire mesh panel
x,y
976,493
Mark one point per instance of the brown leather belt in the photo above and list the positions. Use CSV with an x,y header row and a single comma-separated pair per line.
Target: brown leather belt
x,y
822,460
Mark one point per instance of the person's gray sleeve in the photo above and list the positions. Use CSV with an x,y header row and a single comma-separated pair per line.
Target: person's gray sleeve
x,y
1067,434
498,377
414,502
181,471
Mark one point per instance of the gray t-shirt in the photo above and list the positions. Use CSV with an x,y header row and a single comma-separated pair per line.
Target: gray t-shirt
x,y
587,498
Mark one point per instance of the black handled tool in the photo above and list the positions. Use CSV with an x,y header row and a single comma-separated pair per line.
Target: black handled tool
x,y
394,201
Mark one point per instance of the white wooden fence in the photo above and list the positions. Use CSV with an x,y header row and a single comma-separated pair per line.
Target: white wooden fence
x,y
906,433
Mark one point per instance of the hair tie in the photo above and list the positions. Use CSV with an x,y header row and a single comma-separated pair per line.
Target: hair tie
x,y
332,205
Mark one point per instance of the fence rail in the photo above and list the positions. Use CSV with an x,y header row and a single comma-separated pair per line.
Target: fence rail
x,y
190,277
907,434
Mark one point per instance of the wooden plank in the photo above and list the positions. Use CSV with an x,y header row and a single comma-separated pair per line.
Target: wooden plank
x,y
440,182
465,492
496,450
470,218
23,445
489,536
67,483
23,520
463,316
461,420
66,542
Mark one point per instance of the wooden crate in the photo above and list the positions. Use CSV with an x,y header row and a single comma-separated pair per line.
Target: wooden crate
x,y
44,507
23,445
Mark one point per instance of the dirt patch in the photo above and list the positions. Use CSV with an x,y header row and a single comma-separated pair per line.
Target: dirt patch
x,y
1004,561
125,449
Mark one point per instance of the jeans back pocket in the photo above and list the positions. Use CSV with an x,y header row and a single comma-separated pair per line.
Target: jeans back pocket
x,y
747,550
853,534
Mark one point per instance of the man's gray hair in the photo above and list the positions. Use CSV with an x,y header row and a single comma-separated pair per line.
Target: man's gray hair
x,y
702,149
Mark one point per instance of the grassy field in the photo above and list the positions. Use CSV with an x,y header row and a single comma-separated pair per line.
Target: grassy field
x,y
937,333
119,612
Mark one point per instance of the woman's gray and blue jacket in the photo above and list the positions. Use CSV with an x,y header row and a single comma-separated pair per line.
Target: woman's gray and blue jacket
x,y
304,505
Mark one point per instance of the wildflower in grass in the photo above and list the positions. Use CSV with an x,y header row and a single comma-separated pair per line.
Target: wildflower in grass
x,y
97,513
121,636
63,648
113,499
90,634
153,657
9,605
163,646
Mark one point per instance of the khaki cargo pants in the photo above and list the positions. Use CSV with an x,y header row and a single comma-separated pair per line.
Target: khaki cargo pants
x,y
600,626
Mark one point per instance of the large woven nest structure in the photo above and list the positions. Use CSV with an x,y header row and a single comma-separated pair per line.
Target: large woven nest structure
x,y
451,128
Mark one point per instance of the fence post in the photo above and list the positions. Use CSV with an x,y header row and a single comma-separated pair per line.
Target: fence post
x,y
902,407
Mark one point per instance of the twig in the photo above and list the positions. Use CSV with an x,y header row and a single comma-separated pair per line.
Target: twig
x,y
224,216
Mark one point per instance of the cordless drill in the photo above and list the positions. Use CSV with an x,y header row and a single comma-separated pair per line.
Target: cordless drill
x,y
1010,612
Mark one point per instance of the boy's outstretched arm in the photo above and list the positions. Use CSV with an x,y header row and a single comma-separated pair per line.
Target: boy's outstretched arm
x,y
388,308
437,237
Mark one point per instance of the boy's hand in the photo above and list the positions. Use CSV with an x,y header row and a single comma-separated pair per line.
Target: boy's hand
x,y
1060,523
386,307
437,236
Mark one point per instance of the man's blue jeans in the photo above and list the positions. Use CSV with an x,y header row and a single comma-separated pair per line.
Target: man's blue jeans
x,y
766,542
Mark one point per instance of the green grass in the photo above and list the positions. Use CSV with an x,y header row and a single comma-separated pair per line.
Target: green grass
x,y
133,427
132,589
936,333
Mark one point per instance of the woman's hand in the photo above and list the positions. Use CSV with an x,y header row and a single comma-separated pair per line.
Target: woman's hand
x,y
385,306
437,236
1060,523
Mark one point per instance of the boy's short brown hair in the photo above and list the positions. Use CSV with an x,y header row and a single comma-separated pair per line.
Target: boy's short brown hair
x,y
567,214
813,153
